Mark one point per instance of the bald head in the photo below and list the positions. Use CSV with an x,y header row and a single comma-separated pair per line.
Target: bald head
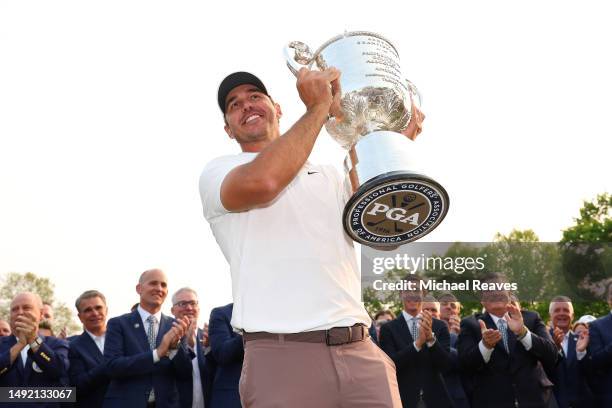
x,y
153,289
26,303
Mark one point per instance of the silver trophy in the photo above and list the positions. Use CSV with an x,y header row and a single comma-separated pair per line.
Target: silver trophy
x,y
392,204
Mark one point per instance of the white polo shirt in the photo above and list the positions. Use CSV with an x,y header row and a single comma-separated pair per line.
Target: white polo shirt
x,y
293,268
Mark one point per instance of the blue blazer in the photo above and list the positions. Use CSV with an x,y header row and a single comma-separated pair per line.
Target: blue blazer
x,y
206,366
453,379
88,372
571,389
507,377
130,364
418,370
228,351
600,358
46,368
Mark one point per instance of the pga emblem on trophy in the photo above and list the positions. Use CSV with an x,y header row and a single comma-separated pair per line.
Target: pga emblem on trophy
x,y
392,203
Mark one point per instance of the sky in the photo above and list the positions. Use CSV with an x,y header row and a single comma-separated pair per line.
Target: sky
x,y
108,115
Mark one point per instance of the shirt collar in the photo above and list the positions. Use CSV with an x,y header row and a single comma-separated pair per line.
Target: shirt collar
x,y
144,315
496,319
408,317
94,337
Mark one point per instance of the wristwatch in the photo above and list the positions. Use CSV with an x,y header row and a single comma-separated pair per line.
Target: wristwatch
x,y
38,341
523,333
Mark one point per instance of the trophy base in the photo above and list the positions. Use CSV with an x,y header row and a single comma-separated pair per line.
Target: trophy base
x,y
395,208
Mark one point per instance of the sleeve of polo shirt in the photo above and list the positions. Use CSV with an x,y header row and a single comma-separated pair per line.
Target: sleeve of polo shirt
x,y
210,185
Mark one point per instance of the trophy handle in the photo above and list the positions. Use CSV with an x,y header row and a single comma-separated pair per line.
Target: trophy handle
x,y
298,55
415,95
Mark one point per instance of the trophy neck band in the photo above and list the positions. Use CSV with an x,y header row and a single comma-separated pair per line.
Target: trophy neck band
x,y
348,34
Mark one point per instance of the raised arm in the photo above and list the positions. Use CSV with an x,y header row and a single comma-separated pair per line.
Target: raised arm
x,y
263,179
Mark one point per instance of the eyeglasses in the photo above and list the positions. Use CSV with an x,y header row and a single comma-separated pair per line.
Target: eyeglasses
x,y
184,303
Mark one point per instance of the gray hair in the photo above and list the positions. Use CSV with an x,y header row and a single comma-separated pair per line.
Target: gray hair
x,y
560,299
88,294
178,292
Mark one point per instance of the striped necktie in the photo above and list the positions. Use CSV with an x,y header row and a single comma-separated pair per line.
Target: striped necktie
x,y
151,336
503,328
414,328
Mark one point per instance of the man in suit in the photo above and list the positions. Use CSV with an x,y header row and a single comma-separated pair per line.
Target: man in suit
x,y
28,359
144,352
88,372
449,314
228,351
501,352
419,345
194,390
600,351
571,388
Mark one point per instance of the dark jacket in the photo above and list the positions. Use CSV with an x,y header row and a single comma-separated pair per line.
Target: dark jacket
x,y
48,367
228,352
419,373
206,367
507,378
88,372
132,370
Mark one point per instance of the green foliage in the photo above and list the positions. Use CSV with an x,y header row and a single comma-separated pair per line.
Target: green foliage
x,y
594,224
13,283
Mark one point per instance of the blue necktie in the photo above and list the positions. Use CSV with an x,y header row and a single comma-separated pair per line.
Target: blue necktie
x,y
503,328
151,336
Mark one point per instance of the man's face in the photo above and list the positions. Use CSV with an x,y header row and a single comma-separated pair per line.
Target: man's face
x,y
186,304
251,115
496,302
93,313
47,313
5,328
153,289
433,308
448,309
413,300
25,304
562,315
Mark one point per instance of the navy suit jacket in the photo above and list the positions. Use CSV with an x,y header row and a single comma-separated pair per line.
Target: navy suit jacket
x,y
453,379
130,364
47,367
228,351
88,372
206,367
571,389
418,370
600,357
519,375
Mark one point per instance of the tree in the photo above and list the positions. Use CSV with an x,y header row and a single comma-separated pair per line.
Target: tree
x,y
586,255
13,283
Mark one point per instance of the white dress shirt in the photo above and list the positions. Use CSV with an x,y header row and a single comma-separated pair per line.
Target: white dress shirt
x,y
144,315
409,318
486,352
198,394
99,340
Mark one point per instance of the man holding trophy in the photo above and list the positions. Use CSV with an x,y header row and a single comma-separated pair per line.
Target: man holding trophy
x,y
278,220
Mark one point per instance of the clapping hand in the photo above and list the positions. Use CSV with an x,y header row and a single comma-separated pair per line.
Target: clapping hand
x,y
583,341
26,328
490,337
514,317
454,324
558,336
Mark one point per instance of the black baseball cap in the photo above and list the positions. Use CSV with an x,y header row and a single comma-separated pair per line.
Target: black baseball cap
x,y
236,79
